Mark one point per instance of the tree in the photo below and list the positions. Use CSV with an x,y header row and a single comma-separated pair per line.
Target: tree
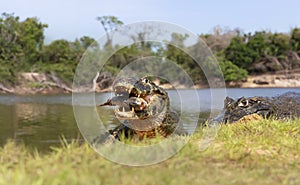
x,y
245,50
183,59
86,42
231,72
31,39
239,53
10,50
178,39
280,44
257,44
21,43
295,40
220,38
109,23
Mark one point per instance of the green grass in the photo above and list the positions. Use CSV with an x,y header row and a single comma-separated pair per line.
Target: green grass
x,y
260,152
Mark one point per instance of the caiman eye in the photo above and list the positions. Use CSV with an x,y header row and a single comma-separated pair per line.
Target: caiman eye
x,y
145,80
244,103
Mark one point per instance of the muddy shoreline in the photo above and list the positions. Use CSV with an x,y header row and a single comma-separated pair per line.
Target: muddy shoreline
x,y
278,80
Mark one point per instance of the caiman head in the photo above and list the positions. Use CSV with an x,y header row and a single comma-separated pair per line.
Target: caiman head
x,y
140,103
235,110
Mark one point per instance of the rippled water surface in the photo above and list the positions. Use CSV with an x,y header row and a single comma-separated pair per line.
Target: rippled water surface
x,y
40,121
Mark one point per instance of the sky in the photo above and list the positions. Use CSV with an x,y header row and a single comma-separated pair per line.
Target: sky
x,y
71,19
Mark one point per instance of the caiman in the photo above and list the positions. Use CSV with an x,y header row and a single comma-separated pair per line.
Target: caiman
x,y
285,106
143,109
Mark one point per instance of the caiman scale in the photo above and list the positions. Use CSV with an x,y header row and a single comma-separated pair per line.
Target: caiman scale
x,y
285,106
143,109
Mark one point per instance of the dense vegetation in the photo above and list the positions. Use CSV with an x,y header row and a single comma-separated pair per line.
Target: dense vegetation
x,y
22,49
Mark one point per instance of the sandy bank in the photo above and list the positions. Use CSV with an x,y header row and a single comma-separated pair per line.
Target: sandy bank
x,y
41,84
283,80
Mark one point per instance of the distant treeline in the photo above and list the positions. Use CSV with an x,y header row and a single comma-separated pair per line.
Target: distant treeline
x,y
22,49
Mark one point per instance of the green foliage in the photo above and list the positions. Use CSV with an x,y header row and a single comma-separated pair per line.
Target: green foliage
x,y
87,42
20,44
22,49
257,44
109,23
280,44
58,51
179,39
232,72
187,63
248,49
7,76
243,51
62,56
239,53
295,40
36,85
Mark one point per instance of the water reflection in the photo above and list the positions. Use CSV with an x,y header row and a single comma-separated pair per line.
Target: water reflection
x,y
30,112
37,125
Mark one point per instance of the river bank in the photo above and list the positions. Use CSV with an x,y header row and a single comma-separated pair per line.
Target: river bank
x,y
259,152
39,83
283,79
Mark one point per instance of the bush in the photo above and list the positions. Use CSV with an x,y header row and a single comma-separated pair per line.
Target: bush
x,y
232,72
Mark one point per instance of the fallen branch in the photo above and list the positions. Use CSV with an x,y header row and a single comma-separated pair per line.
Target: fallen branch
x,y
95,81
6,89
52,84
58,83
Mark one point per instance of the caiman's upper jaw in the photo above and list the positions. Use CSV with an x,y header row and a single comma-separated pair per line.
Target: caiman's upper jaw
x,y
130,102
236,110
122,91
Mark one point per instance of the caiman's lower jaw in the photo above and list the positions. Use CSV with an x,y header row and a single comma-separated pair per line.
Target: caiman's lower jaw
x,y
124,113
129,112
264,113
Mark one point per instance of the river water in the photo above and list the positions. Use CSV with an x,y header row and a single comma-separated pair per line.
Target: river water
x,y
40,121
